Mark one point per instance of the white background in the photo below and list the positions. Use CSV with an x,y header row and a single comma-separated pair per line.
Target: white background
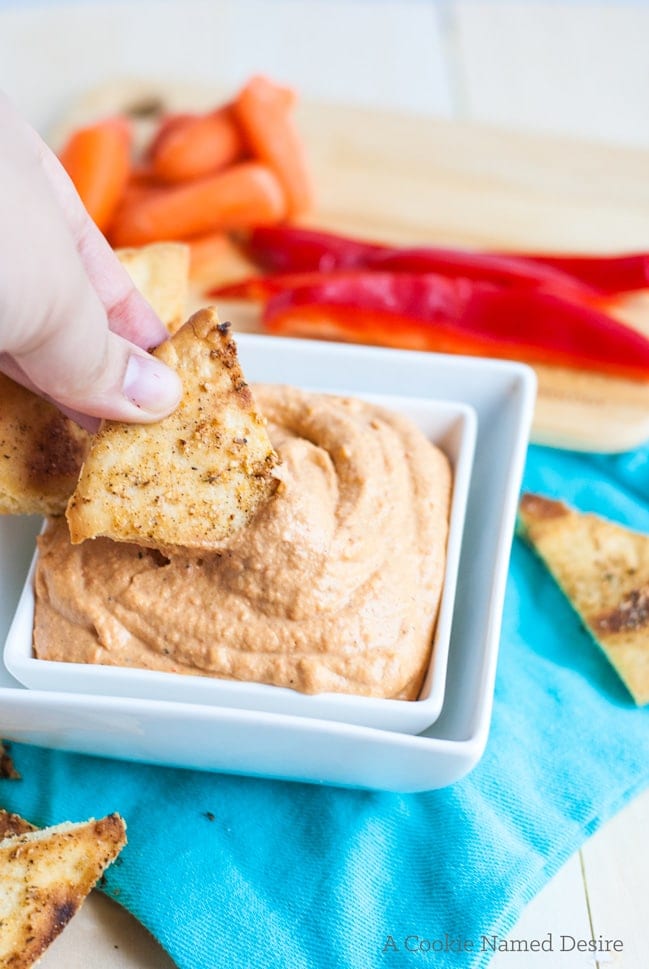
x,y
580,68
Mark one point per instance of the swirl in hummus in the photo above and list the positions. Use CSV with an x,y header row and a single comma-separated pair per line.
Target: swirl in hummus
x,y
334,586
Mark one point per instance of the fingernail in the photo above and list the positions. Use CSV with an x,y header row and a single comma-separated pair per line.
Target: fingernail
x,y
151,385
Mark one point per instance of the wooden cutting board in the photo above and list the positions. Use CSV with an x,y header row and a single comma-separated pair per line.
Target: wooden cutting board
x,y
415,180
408,179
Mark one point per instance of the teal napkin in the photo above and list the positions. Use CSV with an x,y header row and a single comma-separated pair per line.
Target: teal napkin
x,y
240,871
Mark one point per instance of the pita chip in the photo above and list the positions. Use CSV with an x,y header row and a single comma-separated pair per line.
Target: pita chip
x,y
603,569
41,453
45,876
196,477
160,272
12,824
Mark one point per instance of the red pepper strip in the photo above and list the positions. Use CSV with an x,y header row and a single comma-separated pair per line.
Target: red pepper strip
x,y
498,271
288,249
608,274
460,316
261,288
479,266
291,249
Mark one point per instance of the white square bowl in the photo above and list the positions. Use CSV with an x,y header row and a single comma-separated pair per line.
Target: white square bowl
x,y
451,426
293,747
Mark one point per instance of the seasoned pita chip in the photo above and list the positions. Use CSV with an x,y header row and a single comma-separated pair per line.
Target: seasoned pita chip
x,y
44,878
13,824
192,479
41,453
161,273
7,770
603,569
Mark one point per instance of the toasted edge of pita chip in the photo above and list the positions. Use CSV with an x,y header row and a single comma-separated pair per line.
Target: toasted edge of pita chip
x,y
12,824
45,876
603,569
41,453
160,271
192,479
8,771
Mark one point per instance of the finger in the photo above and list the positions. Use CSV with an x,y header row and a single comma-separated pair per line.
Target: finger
x,y
52,321
115,379
129,314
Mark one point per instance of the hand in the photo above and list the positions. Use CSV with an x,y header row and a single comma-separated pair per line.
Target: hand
x,y
73,328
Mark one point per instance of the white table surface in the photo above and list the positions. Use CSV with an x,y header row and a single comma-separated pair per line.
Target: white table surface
x,y
572,67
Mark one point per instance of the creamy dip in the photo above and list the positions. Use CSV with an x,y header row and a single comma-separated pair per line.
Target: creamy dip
x,y
334,586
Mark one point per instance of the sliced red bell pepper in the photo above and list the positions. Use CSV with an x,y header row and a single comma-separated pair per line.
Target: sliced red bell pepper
x,y
432,312
479,266
607,274
261,288
443,262
291,249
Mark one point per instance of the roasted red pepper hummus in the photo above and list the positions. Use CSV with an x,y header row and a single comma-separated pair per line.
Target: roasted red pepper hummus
x,y
334,586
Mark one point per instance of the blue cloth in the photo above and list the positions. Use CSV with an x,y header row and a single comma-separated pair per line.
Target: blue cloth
x,y
239,871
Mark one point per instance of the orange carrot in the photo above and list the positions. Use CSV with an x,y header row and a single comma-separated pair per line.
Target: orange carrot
x,y
143,177
243,195
215,260
263,110
165,125
197,146
98,160
141,183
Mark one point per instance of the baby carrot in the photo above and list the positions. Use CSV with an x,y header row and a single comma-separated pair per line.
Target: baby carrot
x,y
166,124
243,195
263,110
141,183
97,159
142,179
195,146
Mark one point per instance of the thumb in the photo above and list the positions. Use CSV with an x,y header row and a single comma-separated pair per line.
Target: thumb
x,y
54,327
74,358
